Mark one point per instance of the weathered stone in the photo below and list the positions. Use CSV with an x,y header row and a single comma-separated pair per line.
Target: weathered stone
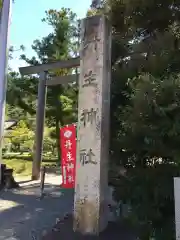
x,y
7,180
90,203
177,207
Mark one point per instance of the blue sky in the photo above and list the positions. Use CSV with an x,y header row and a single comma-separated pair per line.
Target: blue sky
x,y
26,24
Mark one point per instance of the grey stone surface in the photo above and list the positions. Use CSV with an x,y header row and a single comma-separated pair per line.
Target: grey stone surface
x,y
91,207
23,216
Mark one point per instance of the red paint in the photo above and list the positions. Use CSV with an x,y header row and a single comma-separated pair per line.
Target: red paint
x,y
68,155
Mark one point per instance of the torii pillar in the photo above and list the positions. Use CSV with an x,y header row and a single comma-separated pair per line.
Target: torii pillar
x,y
91,183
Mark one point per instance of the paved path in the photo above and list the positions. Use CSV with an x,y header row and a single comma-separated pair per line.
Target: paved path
x,y
23,216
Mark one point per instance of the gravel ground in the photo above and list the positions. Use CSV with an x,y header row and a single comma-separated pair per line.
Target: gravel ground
x,y
64,230
24,216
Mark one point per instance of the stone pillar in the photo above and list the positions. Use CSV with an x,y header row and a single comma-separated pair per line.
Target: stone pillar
x,y
177,206
91,184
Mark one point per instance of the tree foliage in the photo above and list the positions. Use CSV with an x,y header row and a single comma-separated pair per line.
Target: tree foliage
x,y
21,137
145,109
61,44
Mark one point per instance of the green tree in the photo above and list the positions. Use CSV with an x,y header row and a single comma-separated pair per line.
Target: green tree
x,y
21,137
144,108
21,96
61,44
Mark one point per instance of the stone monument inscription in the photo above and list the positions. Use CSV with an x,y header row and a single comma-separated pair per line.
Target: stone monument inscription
x,y
91,181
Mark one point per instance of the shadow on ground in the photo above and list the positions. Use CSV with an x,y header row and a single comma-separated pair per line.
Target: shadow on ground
x,y
24,216
115,231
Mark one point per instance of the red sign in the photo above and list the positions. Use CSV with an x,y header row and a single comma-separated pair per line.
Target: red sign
x,y
68,155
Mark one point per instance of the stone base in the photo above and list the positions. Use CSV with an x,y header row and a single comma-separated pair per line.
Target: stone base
x,y
7,180
11,183
64,230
